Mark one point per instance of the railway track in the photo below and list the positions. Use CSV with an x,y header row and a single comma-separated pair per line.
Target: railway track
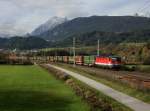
x,y
137,80
134,79
133,103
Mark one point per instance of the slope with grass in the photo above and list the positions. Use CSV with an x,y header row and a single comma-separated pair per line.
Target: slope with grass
x,y
129,101
117,85
30,88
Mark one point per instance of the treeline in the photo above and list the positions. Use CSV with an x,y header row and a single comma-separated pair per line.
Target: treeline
x,y
82,39
90,38
131,53
23,43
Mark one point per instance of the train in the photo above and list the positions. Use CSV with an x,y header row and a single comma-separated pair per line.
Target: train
x,y
109,61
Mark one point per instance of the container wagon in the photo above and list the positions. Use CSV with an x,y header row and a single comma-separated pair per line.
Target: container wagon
x,y
79,60
71,59
89,60
65,59
51,58
59,58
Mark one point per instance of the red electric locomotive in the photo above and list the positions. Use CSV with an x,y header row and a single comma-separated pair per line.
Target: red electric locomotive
x,y
108,61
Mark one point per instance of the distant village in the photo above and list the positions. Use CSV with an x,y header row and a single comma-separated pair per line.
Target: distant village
x,y
15,56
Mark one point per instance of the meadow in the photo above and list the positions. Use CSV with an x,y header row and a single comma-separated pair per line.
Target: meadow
x,y
31,88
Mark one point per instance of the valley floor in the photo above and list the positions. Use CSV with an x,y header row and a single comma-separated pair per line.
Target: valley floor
x,y
30,88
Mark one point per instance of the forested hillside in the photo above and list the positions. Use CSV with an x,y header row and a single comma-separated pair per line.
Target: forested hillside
x,y
90,38
85,39
81,25
23,43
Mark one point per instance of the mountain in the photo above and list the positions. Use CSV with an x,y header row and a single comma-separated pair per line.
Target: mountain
x,y
23,43
2,35
96,23
90,38
49,25
84,39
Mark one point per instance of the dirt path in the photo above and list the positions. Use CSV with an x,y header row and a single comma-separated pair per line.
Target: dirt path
x,y
129,101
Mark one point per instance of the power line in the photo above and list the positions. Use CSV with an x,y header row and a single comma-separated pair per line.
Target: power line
x,y
140,8
144,7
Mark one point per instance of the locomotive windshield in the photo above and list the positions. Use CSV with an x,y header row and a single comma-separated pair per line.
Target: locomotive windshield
x,y
116,59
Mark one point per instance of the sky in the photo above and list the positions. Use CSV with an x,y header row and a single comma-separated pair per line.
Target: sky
x,y
18,17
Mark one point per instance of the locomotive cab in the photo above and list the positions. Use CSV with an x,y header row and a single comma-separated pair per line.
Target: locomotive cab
x,y
115,61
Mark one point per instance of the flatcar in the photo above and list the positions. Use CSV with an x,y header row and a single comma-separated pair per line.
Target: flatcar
x,y
108,61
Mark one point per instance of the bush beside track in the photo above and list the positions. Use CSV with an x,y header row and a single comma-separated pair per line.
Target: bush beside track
x,y
112,79
96,100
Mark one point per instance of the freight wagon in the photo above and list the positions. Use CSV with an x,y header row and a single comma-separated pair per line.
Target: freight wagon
x,y
71,59
65,59
79,60
59,58
104,61
89,60
51,58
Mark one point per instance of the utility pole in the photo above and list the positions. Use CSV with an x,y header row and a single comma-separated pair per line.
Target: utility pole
x,y
74,52
55,54
98,47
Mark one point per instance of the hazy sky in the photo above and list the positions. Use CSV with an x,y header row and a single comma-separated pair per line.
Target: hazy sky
x,y
22,16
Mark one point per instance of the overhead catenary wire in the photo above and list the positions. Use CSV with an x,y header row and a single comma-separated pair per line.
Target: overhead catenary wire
x,y
144,7
145,3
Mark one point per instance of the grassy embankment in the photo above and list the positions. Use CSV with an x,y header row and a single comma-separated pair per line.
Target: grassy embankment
x,y
97,100
140,68
30,88
142,95
116,106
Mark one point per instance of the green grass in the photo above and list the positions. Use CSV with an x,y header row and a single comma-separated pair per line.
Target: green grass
x,y
144,68
141,68
142,95
30,88
116,106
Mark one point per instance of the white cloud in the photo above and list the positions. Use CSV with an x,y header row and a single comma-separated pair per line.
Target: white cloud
x,y
22,16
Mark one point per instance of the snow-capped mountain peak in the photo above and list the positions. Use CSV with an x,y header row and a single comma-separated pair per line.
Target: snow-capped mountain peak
x,y
49,25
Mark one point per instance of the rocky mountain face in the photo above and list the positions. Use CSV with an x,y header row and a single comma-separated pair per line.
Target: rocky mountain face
x,y
49,25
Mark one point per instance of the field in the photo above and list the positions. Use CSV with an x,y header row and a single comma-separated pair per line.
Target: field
x,y
30,88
